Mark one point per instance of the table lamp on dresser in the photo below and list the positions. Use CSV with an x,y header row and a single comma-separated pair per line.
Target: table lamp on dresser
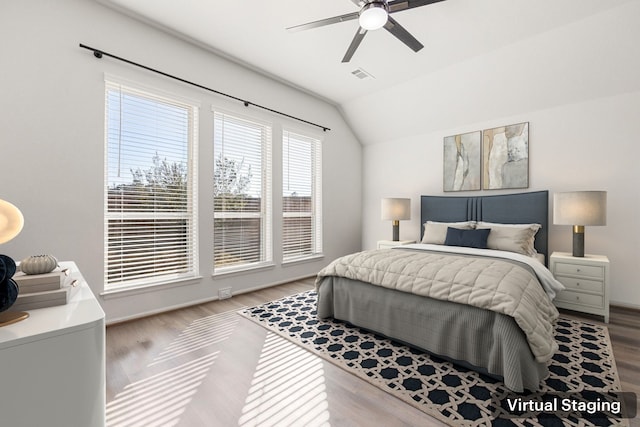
x,y
11,222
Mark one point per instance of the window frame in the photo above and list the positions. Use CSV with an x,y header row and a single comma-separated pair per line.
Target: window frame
x,y
266,188
315,213
189,214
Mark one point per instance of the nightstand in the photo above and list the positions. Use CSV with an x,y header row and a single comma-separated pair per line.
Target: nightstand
x,y
386,244
587,282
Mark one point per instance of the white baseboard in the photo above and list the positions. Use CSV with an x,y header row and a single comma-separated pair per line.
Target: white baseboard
x,y
197,302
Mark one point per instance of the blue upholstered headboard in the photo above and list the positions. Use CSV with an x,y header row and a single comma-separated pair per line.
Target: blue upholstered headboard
x,y
521,208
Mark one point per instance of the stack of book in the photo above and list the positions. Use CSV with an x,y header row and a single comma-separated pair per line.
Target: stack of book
x,y
42,290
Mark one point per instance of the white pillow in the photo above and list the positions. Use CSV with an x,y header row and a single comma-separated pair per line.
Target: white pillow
x,y
517,238
436,232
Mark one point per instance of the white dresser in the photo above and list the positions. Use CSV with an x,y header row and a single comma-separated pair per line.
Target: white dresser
x,y
587,282
52,364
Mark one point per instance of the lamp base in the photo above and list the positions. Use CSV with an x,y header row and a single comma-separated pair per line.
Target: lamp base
x,y
7,318
396,230
578,241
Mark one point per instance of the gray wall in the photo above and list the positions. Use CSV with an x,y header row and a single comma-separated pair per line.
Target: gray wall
x,y
52,121
578,88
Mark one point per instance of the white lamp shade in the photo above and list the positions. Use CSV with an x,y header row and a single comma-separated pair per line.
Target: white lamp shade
x,y
373,16
395,209
580,208
11,221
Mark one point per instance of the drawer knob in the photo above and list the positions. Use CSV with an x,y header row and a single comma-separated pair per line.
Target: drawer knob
x,y
577,298
577,283
578,270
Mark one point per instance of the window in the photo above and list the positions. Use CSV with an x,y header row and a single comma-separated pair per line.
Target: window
x,y
301,197
150,195
241,194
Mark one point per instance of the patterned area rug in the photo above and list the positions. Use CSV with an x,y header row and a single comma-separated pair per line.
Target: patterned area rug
x,y
455,395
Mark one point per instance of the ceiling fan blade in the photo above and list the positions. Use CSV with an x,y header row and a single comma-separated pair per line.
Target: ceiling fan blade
x,y
403,35
358,3
323,22
354,44
399,5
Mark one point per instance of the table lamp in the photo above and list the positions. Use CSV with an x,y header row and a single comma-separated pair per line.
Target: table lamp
x,y
11,223
395,209
580,208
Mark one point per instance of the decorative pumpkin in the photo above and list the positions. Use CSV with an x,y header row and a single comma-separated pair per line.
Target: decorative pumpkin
x,y
38,264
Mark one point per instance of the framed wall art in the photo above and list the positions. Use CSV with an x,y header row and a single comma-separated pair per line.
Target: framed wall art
x,y
461,163
506,157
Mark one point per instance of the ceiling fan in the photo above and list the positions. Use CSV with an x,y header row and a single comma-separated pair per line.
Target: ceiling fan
x,y
373,14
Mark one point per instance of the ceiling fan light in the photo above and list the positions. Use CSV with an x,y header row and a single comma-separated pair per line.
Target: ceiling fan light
x,y
373,16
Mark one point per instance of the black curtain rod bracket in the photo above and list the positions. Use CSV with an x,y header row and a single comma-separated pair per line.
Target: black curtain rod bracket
x,y
99,54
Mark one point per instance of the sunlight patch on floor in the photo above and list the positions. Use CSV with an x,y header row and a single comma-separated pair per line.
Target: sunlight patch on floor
x,y
287,388
199,334
160,399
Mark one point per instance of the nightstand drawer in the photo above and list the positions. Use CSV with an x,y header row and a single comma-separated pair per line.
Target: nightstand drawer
x,y
580,298
586,280
574,283
579,270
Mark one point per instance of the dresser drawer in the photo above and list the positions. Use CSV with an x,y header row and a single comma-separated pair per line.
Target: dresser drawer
x,y
575,283
579,270
580,298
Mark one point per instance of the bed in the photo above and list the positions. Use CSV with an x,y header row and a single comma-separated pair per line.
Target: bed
x,y
418,294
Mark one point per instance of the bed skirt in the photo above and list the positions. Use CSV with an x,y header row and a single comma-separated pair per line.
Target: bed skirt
x,y
487,342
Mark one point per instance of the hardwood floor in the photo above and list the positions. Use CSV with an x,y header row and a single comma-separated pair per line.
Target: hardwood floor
x,y
207,366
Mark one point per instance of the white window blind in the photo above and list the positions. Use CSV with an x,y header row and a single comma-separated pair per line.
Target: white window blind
x,y
301,196
150,195
242,193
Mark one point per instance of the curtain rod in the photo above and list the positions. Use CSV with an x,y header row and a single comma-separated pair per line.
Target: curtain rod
x,y
100,53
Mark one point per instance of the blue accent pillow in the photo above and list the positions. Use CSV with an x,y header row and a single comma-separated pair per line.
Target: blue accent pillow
x,y
469,238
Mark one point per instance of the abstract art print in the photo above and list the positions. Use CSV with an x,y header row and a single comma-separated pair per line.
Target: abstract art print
x,y
506,157
461,166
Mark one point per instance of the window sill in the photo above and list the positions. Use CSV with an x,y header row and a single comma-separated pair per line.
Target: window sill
x,y
144,289
302,260
243,270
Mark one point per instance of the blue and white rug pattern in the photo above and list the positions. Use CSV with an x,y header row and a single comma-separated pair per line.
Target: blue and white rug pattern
x,y
450,393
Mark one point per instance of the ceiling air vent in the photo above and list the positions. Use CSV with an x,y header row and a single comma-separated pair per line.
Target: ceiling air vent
x,y
361,74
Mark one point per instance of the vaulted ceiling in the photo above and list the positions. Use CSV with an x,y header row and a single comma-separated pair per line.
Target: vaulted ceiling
x,y
453,32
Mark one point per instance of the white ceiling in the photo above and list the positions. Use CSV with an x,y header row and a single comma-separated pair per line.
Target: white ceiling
x,y
253,32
